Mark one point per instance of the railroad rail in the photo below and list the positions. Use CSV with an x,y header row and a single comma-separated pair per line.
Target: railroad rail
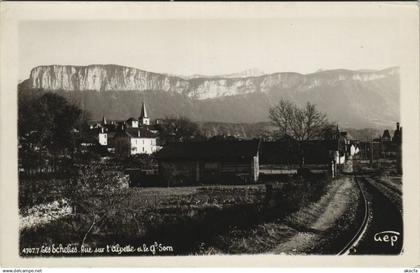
x,y
382,214
391,187
350,246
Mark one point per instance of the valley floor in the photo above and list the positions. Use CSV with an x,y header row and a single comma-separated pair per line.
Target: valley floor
x,y
316,217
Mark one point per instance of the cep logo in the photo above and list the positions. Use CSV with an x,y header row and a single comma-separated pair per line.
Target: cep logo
x,y
388,236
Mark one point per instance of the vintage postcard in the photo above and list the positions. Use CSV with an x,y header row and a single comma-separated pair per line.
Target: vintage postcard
x,y
252,134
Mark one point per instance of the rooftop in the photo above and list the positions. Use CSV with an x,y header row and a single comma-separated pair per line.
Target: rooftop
x,y
210,150
136,133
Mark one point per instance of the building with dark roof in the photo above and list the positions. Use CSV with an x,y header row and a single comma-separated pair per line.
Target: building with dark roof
x,y
397,138
384,146
290,152
386,136
130,137
132,141
210,162
132,123
143,119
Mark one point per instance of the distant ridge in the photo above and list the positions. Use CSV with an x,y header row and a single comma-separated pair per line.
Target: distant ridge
x,y
354,98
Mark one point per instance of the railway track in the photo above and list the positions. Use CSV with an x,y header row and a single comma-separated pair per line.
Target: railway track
x,y
381,230
350,246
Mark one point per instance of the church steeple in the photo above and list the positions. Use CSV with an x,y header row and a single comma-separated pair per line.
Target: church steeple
x,y
143,113
144,119
103,120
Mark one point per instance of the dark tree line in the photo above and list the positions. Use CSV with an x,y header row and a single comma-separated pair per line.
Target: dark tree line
x,y
49,121
179,129
49,127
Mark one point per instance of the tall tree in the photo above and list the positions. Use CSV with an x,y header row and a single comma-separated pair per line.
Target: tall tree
x,y
300,123
47,122
48,125
179,130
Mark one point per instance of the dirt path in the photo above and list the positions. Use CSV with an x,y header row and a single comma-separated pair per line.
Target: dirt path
x,y
313,222
317,228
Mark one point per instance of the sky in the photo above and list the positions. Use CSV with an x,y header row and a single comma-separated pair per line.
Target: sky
x,y
214,47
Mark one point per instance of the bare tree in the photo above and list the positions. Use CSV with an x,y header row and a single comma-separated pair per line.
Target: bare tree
x,y
300,123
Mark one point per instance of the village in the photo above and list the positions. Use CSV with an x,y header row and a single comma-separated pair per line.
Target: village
x,y
233,160
254,131
163,181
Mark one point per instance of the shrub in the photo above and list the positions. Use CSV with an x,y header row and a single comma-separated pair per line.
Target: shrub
x,y
95,195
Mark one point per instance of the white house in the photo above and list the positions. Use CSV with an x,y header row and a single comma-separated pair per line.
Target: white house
x,y
143,119
143,145
133,137
339,159
136,136
133,123
132,141
104,131
103,138
354,149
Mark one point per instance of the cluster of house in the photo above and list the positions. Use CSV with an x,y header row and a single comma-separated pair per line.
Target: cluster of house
x,y
130,137
224,160
384,146
239,161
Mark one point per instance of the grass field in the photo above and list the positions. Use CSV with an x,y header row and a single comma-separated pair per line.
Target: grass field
x,y
189,219
198,197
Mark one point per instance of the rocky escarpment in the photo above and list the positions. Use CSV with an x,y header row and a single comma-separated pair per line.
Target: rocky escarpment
x,y
356,99
119,78
102,78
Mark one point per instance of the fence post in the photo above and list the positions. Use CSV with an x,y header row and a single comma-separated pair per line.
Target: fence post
x,y
332,169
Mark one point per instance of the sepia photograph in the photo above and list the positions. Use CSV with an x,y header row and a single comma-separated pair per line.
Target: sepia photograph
x,y
276,135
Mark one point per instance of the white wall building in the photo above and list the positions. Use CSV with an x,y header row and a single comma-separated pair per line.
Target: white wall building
x,y
354,150
141,145
133,123
132,141
103,139
134,137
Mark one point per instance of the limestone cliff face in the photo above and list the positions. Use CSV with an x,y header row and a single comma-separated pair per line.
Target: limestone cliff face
x,y
102,78
119,78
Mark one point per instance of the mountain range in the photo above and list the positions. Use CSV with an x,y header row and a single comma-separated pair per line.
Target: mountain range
x,y
358,99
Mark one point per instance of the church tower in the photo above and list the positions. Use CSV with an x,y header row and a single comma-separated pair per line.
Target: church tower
x,y
144,119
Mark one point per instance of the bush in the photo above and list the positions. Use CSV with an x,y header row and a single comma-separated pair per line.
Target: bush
x,y
34,191
95,195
